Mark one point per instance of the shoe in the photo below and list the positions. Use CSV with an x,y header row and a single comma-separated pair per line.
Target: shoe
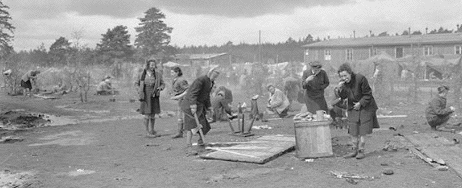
x,y
179,135
360,155
190,151
200,142
351,155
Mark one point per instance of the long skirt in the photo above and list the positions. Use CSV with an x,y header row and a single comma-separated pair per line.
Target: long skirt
x,y
26,85
362,122
314,104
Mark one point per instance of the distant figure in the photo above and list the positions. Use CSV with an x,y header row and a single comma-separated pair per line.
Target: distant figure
x,y
150,85
437,114
228,94
315,81
105,87
27,81
338,107
277,102
291,87
179,87
221,107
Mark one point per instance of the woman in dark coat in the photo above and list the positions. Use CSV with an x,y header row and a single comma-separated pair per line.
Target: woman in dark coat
x,y
149,86
315,81
361,107
197,101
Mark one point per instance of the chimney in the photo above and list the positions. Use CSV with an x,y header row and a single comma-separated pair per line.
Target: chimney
x,y
370,33
426,30
354,34
409,32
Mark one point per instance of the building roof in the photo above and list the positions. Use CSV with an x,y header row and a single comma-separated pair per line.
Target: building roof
x,y
449,38
200,56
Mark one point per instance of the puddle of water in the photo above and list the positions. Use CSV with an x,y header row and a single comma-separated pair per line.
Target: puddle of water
x,y
80,172
83,110
69,138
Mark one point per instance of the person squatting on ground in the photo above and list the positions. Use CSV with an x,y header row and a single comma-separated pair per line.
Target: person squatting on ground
x,y
27,81
197,102
361,108
179,87
277,102
221,104
104,87
221,107
337,109
315,81
437,114
150,84
291,87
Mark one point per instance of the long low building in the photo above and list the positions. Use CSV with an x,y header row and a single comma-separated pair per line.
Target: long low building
x,y
337,51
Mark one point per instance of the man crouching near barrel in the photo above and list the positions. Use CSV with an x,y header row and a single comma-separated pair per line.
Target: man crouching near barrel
x,y
361,108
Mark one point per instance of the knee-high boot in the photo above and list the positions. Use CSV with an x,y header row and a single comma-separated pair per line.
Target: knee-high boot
x,y
354,148
151,126
361,154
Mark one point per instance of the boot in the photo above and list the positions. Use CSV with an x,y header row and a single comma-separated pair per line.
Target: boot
x,y
352,154
146,124
190,151
153,133
360,154
180,131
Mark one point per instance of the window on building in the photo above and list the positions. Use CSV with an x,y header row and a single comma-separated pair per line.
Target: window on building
x,y
372,52
327,55
458,49
349,54
307,52
428,50
399,52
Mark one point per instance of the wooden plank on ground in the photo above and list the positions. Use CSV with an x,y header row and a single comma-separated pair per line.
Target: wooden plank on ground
x,y
452,155
260,150
428,139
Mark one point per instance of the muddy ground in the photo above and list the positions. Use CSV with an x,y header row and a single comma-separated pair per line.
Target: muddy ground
x,y
105,146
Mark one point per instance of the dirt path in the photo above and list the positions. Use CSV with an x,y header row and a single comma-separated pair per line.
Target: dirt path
x,y
116,154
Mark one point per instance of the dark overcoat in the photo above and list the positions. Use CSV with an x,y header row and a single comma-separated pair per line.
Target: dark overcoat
x,y
358,90
199,94
314,90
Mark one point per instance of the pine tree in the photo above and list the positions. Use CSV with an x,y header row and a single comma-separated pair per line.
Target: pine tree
x,y
6,32
153,34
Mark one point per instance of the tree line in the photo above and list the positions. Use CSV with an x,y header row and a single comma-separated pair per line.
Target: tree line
x,y
151,41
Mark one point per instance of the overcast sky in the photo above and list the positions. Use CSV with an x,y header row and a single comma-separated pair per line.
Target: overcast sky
x,y
215,22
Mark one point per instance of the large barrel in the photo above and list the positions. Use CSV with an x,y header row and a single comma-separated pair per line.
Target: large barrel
x,y
312,139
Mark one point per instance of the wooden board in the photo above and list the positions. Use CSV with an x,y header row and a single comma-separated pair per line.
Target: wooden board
x,y
260,150
428,139
438,149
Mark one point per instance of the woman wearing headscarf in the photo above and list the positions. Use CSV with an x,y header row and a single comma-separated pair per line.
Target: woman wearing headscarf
x,y
315,81
361,107
149,86
179,87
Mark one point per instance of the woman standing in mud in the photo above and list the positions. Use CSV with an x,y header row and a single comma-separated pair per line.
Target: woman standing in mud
x,y
179,87
149,86
361,107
